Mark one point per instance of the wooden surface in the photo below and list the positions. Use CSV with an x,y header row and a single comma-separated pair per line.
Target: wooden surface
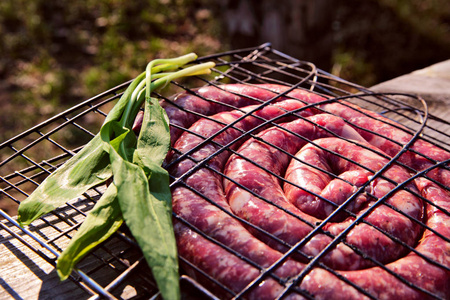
x,y
25,275
431,83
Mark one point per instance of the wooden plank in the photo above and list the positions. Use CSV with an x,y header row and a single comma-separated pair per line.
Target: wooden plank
x,y
24,260
26,275
431,83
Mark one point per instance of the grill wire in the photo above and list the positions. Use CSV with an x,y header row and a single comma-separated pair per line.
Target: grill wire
x,y
117,264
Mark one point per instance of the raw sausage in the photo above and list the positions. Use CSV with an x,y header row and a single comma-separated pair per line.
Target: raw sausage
x,y
199,195
264,158
210,100
211,218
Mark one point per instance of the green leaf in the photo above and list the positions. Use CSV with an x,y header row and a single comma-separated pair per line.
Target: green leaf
x,y
148,216
144,195
120,138
154,137
87,168
118,109
101,222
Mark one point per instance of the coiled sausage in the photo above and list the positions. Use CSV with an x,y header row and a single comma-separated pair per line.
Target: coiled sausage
x,y
289,215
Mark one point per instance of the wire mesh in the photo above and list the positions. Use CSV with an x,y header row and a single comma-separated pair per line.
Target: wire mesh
x,y
29,157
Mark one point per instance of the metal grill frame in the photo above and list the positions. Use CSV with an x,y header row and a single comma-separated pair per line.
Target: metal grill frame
x,y
261,64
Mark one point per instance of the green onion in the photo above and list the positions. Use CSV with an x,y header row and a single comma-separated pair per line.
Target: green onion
x,y
139,194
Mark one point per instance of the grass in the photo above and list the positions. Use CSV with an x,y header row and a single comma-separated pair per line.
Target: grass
x,y
56,54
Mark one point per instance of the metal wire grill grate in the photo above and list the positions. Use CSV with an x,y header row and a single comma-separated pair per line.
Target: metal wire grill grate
x,y
29,157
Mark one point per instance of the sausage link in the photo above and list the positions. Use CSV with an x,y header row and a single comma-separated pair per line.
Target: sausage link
x,y
228,269
210,217
207,200
252,188
311,171
185,108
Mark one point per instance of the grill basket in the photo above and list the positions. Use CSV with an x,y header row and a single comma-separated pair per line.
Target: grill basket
x,y
117,264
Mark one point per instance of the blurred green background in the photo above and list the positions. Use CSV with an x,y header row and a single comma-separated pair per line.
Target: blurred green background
x,y
57,53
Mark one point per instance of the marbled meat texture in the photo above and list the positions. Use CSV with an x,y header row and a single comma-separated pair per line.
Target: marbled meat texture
x,y
284,170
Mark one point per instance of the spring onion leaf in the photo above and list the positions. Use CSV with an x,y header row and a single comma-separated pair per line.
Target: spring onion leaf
x,y
101,222
86,169
139,194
